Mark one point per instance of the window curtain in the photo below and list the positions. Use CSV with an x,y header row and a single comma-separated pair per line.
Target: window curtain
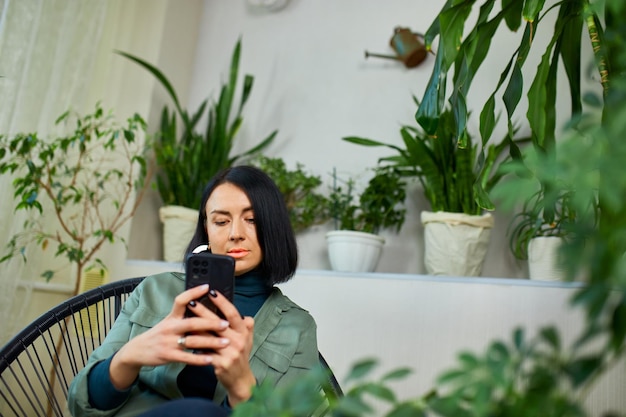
x,y
56,55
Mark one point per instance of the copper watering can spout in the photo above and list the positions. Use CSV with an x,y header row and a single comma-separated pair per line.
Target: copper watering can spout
x,y
408,45
375,55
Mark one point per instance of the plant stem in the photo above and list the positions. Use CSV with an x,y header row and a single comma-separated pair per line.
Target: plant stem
x,y
598,48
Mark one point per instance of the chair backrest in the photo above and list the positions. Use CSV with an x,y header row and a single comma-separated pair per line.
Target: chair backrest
x,y
39,363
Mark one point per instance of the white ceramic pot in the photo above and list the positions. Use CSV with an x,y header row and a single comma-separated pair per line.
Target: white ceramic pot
x,y
351,251
542,258
179,225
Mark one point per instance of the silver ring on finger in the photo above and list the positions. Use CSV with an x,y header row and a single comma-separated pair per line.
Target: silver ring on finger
x,y
181,342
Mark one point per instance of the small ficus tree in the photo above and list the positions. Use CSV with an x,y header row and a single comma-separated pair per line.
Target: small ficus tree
x,y
88,183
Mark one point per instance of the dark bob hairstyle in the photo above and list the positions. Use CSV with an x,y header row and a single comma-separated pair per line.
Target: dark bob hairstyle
x,y
271,218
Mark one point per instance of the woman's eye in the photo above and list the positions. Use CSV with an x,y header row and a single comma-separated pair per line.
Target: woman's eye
x,y
250,220
220,222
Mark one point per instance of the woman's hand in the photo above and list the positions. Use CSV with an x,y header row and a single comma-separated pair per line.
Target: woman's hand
x,y
231,361
160,344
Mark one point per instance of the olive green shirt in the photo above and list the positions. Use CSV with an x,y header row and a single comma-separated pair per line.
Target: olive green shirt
x,y
284,347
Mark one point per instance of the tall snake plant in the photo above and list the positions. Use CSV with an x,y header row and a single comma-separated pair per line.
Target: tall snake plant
x,y
187,161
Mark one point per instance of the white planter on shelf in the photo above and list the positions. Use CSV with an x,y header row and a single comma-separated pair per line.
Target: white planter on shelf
x,y
543,258
179,225
455,244
351,251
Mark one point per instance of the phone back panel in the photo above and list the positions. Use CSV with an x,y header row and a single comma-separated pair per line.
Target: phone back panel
x,y
216,270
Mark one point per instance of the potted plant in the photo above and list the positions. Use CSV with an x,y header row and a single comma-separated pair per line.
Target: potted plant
x,y
306,206
536,233
456,183
187,156
355,245
547,216
79,189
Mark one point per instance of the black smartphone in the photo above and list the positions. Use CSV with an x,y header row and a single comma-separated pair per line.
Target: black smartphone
x,y
216,270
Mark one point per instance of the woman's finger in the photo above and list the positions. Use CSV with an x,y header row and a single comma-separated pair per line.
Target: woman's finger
x,y
210,323
207,342
182,299
227,308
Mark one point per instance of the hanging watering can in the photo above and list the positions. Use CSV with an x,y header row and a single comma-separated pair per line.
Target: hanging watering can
x,y
409,47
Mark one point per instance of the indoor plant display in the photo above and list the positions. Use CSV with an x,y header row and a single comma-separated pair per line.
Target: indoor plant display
x,y
187,156
456,184
463,49
306,206
78,189
355,245
544,374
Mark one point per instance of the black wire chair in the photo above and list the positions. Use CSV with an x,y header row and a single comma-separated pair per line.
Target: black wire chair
x,y
39,363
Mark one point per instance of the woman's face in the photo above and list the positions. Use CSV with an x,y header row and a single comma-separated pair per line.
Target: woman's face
x,y
231,229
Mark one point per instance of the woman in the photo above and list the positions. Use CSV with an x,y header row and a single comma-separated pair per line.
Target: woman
x,y
150,355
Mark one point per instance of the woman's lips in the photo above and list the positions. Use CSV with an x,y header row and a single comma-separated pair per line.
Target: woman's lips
x,y
237,253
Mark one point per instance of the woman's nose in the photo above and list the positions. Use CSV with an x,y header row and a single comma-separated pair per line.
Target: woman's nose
x,y
235,231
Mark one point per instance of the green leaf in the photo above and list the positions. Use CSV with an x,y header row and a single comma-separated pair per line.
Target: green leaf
x,y
459,108
593,298
369,142
513,13
157,74
434,29
618,324
380,392
537,97
256,149
581,369
488,119
349,406
513,92
498,351
450,407
407,409
474,49
531,9
427,115
551,336
570,49
361,369
48,275
469,360
453,375
592,99
397,374
518,338
482,197
62,117
452,22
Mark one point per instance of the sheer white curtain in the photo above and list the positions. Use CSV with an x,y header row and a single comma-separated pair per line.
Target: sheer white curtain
x,y
57,54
